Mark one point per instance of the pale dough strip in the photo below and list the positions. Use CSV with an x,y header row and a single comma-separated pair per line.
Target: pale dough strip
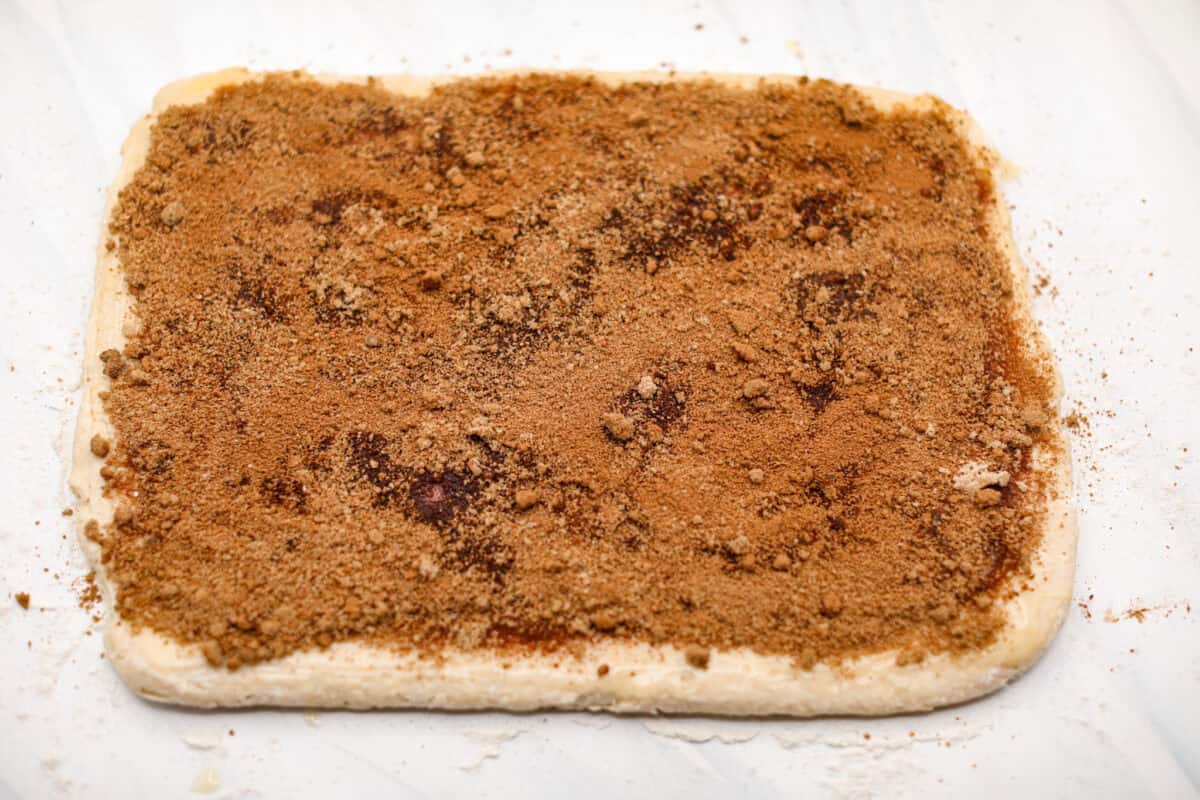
x,y
642,678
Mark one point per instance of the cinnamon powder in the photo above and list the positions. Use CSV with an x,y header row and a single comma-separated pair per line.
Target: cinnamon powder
x,y
535,361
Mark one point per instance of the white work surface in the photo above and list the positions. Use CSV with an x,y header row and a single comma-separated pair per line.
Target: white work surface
x,y
1097,104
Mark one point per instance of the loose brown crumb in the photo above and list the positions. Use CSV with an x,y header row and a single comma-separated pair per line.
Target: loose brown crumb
x,y
533,362
114,363
88,594
22,599
1077,421
527,498
99,446
212,652
745,352
755,387
604,621
697,656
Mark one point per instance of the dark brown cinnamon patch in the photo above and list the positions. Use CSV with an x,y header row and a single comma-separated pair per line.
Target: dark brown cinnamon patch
x,y
818,395
437,497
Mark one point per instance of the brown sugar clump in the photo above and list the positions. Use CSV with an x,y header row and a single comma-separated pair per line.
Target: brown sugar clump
x,y
114,363
697,656
619,426
526,499
534,362
604,621
988,497
431,281
755,387
745,352
88,593
22,599
172,214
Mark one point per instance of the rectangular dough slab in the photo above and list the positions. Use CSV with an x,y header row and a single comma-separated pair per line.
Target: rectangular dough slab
x,y
644,678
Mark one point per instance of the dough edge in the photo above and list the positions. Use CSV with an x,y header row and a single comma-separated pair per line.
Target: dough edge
x,y
642,678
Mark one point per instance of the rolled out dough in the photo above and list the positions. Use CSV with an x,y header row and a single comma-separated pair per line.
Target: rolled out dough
x,y
642,678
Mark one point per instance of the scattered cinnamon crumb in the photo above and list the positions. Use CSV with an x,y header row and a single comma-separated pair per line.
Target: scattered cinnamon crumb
x,y
22,599
88,596
604,621
1085,607
988,497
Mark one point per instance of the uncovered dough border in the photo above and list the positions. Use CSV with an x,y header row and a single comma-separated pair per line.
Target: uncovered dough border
x,y
642,678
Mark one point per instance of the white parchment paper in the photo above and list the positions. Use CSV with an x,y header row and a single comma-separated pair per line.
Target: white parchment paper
x,y
1097,103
